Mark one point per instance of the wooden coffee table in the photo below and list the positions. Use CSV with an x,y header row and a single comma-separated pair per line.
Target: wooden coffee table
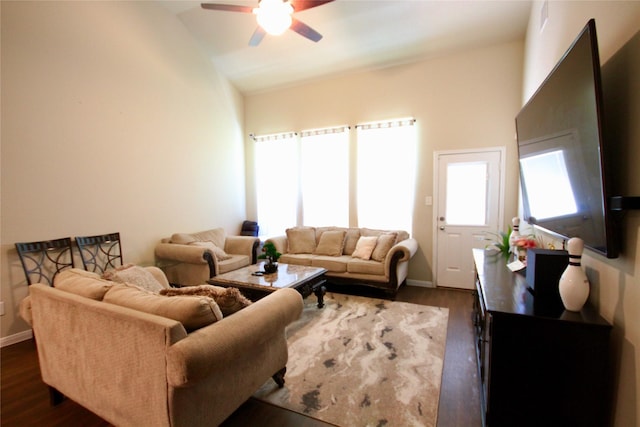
x,y
254,285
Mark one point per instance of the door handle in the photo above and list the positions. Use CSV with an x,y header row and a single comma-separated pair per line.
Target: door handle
x,y
442,227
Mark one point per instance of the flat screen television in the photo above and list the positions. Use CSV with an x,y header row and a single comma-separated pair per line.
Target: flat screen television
x,y
560,149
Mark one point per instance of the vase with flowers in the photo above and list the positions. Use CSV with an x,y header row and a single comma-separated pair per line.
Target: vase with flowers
x,y
271,255
521,245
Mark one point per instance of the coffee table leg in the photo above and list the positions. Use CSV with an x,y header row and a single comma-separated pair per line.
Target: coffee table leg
x,y
319,291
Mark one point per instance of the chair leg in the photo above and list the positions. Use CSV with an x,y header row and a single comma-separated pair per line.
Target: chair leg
x,y
55,397
278,377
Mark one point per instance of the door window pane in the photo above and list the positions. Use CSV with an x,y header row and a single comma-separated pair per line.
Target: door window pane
x,y
466,194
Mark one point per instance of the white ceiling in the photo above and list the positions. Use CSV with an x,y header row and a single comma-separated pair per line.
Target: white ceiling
x,y
357,35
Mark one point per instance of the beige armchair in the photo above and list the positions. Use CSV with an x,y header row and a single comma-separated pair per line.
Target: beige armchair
x,y
192,259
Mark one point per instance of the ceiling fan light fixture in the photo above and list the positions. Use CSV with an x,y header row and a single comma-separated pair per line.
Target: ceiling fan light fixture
x,y
274,16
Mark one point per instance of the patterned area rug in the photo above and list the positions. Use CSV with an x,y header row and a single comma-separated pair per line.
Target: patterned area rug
x,y
364,362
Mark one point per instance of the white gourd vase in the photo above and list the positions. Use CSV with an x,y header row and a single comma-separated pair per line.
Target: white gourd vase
x,y
574,285
515,235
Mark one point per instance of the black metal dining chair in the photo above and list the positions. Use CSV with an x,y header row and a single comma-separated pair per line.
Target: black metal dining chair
x,y
41,261
101,252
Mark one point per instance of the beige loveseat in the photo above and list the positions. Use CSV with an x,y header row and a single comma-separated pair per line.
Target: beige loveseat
x,y
135,368
193,258
362,256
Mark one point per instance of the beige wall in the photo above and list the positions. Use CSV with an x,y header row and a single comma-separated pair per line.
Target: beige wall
x,y
615,284
112,120
465,100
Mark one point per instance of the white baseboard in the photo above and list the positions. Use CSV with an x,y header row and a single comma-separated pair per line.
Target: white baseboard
x,y
16,338
420,283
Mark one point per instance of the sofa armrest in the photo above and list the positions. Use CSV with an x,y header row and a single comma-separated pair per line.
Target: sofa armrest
x,y
407,247
183,253
280,243
242,245
218,346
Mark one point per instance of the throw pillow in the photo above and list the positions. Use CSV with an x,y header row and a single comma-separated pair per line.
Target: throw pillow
x,y
364,247
194,312
80,282
384,244
302,240
219,253
331,243
134,275
230,300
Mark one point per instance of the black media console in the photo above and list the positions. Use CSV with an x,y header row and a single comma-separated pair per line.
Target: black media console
x,y
539,365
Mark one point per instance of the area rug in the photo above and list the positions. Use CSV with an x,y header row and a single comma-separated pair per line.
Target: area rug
x,y
364,362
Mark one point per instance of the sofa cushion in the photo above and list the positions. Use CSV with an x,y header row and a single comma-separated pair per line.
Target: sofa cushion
x,y
331,243
297,259
230,300
192,311
400,234
83,283
334,264
302,240
217,251
233,263
365,247
134,275
383,245
351,240
359,266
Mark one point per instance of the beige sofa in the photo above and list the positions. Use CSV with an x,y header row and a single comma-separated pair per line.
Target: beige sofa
x,y
192,258
362,256
135,368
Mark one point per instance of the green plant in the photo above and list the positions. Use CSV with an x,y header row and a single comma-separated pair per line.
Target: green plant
x,y
499,241
269,252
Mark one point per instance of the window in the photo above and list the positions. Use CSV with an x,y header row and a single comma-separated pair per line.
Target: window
x,y
276,182
305,180
324,174
386,174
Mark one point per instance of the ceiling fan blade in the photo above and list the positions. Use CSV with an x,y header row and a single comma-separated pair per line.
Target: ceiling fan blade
x,y
299,5
305,30
257,36
227,7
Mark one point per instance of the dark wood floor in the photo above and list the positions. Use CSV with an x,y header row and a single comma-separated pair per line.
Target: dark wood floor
x,y
25,399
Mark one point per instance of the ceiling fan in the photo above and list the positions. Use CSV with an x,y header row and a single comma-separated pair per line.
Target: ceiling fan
x,y
274,17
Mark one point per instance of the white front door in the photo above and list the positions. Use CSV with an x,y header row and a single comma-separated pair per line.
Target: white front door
x,y
469,203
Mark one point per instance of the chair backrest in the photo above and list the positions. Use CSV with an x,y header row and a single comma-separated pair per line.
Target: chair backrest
x,y
249,228
99,253
41,261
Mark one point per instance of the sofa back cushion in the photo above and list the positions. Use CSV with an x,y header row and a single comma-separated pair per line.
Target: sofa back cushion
x,y
134,275
194,312
331,243
301,240
182,238
84,283
217,236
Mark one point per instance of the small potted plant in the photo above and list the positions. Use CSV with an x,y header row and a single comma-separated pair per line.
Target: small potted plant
x,y
271,255
499,242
